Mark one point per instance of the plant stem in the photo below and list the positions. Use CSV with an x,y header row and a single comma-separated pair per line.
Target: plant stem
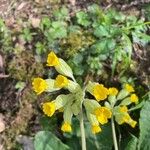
x,y
114,133
83,140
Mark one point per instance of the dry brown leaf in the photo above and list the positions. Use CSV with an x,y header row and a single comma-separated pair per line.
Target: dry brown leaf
x,y
35,22
1,147
2,123
4,76
73,2
21,5
1,61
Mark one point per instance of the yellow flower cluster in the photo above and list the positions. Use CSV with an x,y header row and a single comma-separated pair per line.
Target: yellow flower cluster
x,y
71,103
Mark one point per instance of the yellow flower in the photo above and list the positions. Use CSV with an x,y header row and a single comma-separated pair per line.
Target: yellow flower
x,y
126,118
100,92
132,123
39,85
134,98
61,81
123,109
49,108
113,91
52,59
66,127
103,114
96,129
129,88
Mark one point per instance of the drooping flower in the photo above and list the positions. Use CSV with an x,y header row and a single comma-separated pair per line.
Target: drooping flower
x,y
103,114
129,88
113,91
49,108
96,129
100,92
124,117
134,98
132,123
52,59
123,109
66,127
61,81
39,85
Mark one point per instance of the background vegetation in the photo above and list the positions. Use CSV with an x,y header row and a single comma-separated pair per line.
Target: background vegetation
x,y
106,42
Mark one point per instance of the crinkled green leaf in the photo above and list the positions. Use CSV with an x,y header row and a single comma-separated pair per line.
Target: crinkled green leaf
x,y
82,18
132,144
45,140
144,139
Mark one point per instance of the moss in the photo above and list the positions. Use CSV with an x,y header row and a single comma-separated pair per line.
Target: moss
x,y
23,66
76,42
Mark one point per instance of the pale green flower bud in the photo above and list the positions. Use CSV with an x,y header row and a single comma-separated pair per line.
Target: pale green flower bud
x,y
91,105
73,86
122,94
51,85
126,101
61,100
64,69
67,114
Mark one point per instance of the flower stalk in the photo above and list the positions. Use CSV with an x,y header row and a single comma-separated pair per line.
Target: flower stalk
x,y
114,133
83,138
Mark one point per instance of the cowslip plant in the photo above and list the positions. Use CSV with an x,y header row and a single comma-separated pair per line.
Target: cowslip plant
x,y
77,99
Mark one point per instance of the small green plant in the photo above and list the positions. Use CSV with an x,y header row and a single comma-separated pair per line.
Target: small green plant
x,y
5,38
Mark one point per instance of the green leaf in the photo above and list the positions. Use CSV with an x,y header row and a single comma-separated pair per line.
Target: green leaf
x,y
61,14
45,140
132,144
20,85
128,46
101,31
138,106
58,30
40,48
144,139
82,18
45,23
48,123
